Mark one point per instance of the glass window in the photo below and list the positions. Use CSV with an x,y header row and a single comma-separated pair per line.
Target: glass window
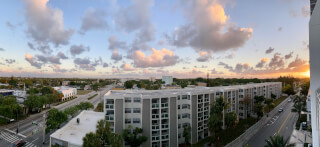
x,y
127,110
136,120
136,110
178,106
184,97
136,100
128,121
127,100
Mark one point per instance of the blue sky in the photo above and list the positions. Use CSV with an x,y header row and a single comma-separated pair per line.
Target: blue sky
x,y
106,39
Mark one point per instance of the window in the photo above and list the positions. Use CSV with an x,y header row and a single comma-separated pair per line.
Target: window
x,y
184,97
110,112
240,114
136,120
127,110
185,115
240,90
179,136
136,110
127,100
178,97
179,116
185,106
178,106
136,100
128,121
179,126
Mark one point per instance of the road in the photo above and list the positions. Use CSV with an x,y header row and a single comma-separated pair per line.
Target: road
x,y
33,133
280,124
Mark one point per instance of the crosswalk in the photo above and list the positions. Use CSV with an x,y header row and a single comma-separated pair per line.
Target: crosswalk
x,y
13,138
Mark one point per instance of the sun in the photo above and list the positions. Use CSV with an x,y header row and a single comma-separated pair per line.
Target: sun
x,y
306,74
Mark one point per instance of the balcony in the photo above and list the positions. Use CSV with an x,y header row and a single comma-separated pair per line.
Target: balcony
x,y
164,137
164,105
165,115
155,116
109,106
165,126
110,117
155,127
155,105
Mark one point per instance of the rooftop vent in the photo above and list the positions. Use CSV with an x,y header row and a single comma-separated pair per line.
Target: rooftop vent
x,y
78,120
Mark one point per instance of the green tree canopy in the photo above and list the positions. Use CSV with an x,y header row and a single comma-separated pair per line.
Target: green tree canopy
x,y
231,119
55,119
85,106
276,141
133,137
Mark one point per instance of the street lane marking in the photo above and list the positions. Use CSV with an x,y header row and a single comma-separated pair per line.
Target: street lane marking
x,y
15,133
283,123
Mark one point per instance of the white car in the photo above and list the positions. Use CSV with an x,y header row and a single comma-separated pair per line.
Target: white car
x,y
280,110
289,100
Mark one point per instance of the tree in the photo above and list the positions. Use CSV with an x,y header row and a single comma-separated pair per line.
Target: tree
x,y
246,101
298,107
33,91
91,140
99,107
52,98
55,119
13,82
187,134
102,137
259,99
9,107
231,118
33,102
276,141
134,137
288,89
71,111
259,109
269,103
273,96
305,88
47,90
95,87
128,84
85,106
214,124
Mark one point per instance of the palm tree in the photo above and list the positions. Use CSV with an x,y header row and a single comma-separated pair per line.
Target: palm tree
x,y
297,107
133,136
214,124
91,140
276,141
246,101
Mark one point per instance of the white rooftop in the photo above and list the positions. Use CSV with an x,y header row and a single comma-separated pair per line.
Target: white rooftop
x,y
74,132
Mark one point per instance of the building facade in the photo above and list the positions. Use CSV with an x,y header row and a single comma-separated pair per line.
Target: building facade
x,y
6,92
314,46
67,92
163,114
168,80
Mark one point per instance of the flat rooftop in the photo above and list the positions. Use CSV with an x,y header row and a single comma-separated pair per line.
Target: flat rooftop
x,y
131,92
73,132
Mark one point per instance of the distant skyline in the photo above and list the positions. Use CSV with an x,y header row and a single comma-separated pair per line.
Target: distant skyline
x,y
146,38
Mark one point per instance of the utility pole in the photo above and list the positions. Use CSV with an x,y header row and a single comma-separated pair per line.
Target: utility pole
x,y
44,128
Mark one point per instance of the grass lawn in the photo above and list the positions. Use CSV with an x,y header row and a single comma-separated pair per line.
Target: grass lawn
x,y
276,103
228,135
83,92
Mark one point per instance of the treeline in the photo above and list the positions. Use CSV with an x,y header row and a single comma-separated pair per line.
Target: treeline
x,y
146,84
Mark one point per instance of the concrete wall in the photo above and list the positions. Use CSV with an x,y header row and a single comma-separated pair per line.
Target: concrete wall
x,y
194,119
146,121
118,113
173,122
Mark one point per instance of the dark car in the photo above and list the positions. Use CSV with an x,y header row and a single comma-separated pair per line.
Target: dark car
x,y
19,143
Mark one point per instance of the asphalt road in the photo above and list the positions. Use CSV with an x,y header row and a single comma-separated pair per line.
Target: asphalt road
x,y
280,124
33,133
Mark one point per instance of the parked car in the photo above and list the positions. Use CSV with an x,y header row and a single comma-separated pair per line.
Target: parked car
x,y
18,143
289,100
304,125
280,110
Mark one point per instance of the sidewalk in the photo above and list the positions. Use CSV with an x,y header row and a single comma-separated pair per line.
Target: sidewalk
x,y
299,137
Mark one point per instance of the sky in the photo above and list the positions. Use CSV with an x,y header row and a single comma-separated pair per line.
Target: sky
x,y
148,38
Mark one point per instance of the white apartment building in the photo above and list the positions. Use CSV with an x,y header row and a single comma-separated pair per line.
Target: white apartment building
x,y
168,80
67,92
162,114
314,46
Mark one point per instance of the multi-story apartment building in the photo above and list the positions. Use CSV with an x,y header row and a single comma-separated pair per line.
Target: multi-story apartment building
x,y
163,114
67,92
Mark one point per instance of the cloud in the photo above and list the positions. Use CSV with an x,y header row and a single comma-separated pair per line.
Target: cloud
x,y
62,55
208,29
226,66
10,61
230,56
269,50
48,59
30,59
143,36
158,58
85,64
10,26
262,62
296,63
127,67
105,65
43,48
114,43
2,50
213,71
135,16
116,56
280,29
277,61
45,24
94,19
305,11
57,68
288,56
204,56
241,67
78,49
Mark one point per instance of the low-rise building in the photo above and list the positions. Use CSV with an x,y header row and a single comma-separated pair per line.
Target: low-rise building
x,y
72,133
168,80
67,92
163,114
65,83
6,92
